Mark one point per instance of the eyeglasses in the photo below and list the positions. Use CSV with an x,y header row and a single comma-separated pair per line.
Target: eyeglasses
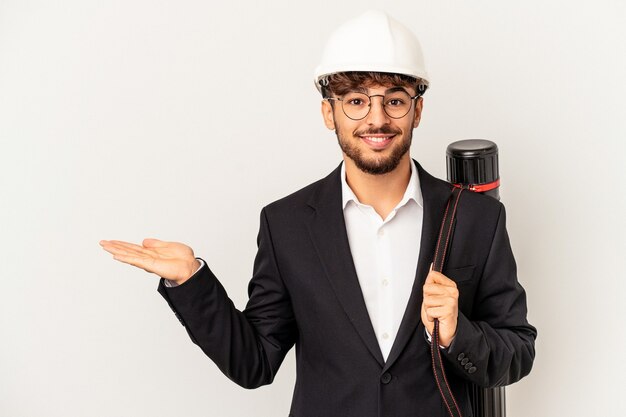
x,y
357,106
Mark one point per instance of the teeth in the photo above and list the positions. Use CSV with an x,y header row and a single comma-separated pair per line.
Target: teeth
x,y
373,139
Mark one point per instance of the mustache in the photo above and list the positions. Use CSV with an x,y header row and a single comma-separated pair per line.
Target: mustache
x,y
384,130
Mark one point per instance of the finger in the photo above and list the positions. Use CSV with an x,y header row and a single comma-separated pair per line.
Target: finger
x,y
121,243
439,301
139,262
130,248
435,289
439,278
440,313
117,250
154,243
122,250
430,279
112,249
440,290
426,318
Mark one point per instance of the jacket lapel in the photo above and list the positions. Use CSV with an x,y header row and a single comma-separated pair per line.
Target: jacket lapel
x,y
328,232
435,193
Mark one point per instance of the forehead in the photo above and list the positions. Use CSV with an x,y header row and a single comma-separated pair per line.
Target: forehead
x,y
371,89
381,89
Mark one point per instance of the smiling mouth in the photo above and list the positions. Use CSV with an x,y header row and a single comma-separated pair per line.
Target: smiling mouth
x,y
377,141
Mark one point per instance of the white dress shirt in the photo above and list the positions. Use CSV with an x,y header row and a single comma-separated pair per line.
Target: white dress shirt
x,y
385,253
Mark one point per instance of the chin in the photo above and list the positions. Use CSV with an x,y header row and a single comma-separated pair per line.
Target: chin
x,y
376,167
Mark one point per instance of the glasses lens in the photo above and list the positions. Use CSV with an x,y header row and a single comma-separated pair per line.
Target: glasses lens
x,y
356,105
397,104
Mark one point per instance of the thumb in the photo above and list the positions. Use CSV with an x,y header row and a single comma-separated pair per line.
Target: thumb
x,y
153,243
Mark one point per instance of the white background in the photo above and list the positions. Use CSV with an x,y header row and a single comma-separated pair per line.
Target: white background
x,y
180,120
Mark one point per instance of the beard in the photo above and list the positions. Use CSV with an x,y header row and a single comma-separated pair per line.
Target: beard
x,y
379,164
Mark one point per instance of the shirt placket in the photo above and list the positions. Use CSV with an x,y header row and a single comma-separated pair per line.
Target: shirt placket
x,y
384,285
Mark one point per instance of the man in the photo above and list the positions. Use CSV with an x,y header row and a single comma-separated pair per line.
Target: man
x,y
343,265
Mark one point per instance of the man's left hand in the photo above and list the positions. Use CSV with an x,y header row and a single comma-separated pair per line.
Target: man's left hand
x,y
441,301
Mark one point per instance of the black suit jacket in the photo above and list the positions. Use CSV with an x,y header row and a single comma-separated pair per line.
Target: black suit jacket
x,y
305,291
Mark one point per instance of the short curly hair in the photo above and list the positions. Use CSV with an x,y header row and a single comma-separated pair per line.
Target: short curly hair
x,y
342,82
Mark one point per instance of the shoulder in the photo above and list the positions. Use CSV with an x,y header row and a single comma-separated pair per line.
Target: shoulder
x,y
294,201
478,210
304,200
470,203
480,204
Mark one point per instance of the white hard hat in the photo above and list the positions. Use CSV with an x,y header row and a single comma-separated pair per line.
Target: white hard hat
x,y
374,42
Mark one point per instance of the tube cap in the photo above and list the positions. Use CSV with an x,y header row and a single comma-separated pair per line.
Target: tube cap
x,y
472,162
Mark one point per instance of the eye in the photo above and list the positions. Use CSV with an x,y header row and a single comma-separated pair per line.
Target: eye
x,y
395,102
355,102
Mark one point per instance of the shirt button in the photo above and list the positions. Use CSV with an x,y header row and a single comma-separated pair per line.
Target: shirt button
x,y
385,336
385,282
381,232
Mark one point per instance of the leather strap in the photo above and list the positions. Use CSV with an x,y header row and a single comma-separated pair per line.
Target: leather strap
x,y
445,235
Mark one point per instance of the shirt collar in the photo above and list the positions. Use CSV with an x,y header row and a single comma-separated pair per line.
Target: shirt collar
x,y
413,190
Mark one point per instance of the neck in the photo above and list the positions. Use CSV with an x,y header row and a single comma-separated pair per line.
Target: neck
x,y
382,192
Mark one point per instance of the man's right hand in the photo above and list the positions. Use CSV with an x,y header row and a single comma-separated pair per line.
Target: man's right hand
x,y
171,260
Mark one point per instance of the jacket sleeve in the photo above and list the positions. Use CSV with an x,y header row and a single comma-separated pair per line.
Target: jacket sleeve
x,y
249,346
496,346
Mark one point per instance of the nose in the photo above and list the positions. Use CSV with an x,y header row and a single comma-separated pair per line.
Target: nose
x,y
377,115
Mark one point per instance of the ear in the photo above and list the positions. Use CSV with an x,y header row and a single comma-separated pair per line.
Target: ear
x,y
418,111
327,114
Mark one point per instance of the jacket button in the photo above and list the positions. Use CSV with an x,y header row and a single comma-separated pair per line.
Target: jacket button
x,y
460,357
386,378
464,361
468,365
471,370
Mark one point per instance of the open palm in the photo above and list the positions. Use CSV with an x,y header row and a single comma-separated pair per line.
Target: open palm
x,y
171,260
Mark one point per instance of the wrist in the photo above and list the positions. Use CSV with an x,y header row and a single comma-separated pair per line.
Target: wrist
x,y
445,343
195,265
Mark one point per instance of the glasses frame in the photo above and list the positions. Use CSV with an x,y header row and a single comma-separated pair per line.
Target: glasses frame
x,y
382,96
